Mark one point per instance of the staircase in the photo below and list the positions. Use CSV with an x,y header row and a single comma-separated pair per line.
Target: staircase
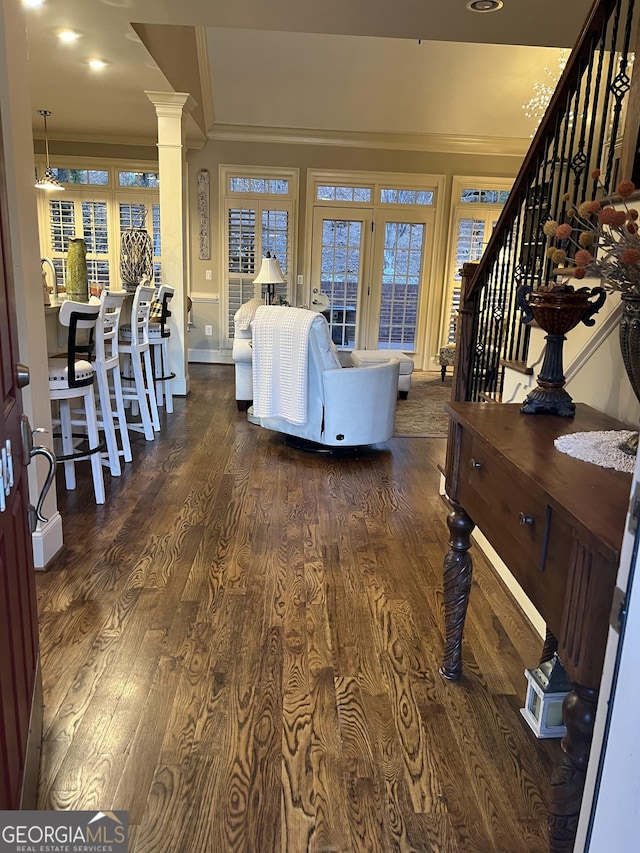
x,y
592,122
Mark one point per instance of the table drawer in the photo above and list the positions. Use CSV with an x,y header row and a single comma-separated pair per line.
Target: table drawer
x,y
533,541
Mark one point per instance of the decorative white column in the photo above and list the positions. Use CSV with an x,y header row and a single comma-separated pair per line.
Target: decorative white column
x,y
171,110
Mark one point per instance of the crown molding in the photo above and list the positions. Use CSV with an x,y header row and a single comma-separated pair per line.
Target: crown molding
x,y
434,142
192,143
430,142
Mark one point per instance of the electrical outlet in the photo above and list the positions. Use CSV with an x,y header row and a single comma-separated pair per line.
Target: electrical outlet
x,y
300,280
208,330
208,275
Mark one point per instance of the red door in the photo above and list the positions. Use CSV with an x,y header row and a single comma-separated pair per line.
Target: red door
x,y
18,614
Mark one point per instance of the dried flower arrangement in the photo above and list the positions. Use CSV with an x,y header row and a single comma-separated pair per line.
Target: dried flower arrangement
x,y
607,246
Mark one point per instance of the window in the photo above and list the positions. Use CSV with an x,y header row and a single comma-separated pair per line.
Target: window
x,y
100,202
98,177
61,223
94,226
251,233
474,215
401,278
346,193
259,186
138,179
275,236
80,218
470,245
484,196
398,196
371,251
136,215
258,218
241,231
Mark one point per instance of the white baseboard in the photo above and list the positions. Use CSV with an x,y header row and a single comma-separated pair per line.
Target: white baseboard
x,y
180,387
208,356
47,541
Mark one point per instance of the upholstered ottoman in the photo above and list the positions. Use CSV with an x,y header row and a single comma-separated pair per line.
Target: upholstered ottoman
x,y
446,357
362,357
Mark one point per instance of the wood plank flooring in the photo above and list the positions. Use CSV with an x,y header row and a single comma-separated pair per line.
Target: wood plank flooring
x,y
241,648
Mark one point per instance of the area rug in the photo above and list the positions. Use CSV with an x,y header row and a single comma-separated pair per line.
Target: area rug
x,y
422,414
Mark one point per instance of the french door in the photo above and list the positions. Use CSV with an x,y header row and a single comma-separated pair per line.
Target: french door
x,y
339,269
399,258
370,270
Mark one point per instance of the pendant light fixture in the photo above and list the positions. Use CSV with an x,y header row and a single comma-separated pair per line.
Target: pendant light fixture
x,y
48,181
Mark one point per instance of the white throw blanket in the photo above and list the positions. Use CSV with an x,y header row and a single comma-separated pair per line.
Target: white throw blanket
x,y
280,362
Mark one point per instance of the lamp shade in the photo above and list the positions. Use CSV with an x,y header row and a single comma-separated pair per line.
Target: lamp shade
x,y
269,272
48,181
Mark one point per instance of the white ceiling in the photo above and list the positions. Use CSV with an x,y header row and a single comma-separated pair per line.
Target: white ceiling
x,y
337,65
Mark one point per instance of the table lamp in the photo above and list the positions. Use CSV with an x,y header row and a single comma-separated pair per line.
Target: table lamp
x,y
269,276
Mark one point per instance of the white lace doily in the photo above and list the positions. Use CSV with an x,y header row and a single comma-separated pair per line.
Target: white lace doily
x,y
600,448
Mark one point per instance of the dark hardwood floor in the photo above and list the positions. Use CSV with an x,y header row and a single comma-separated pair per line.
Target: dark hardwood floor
x,y
241,648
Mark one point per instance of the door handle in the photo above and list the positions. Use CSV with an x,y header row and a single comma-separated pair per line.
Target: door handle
x,y
35,513
23,375
30,450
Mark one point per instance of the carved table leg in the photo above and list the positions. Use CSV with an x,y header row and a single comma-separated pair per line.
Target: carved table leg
x,y
457,572
567,781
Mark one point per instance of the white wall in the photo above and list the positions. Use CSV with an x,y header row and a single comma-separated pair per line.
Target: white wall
x,y
592,363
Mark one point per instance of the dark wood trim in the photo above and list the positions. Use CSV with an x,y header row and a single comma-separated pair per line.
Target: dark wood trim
x,y
29,796
518,366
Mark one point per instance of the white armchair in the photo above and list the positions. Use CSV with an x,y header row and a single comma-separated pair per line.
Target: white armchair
x,y
301,389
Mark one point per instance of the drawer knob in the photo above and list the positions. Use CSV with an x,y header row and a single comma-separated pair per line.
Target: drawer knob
x,y
475,464
524,520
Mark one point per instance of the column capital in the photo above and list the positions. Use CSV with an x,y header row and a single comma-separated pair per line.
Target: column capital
x,y
171,104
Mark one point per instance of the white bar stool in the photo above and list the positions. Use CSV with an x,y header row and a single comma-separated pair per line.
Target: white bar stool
x,y
112,415
159,334
139,388
71,380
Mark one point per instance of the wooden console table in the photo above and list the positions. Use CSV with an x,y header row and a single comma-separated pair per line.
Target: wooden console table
x,y
558,524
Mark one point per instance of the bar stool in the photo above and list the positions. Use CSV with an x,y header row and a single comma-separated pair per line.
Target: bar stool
x,y
70,381
138,387
159,334
112,416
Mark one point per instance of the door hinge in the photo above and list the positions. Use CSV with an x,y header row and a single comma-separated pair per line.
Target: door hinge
x,y
618,609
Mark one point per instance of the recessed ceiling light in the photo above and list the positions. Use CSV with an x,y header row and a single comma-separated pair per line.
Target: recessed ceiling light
x,y
97,64
32,4
484,5
67,36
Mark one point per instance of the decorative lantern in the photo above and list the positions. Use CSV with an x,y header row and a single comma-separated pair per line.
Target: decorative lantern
x,y
547,686
136,257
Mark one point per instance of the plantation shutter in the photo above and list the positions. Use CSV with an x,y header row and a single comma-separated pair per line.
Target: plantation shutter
x,y
252,231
